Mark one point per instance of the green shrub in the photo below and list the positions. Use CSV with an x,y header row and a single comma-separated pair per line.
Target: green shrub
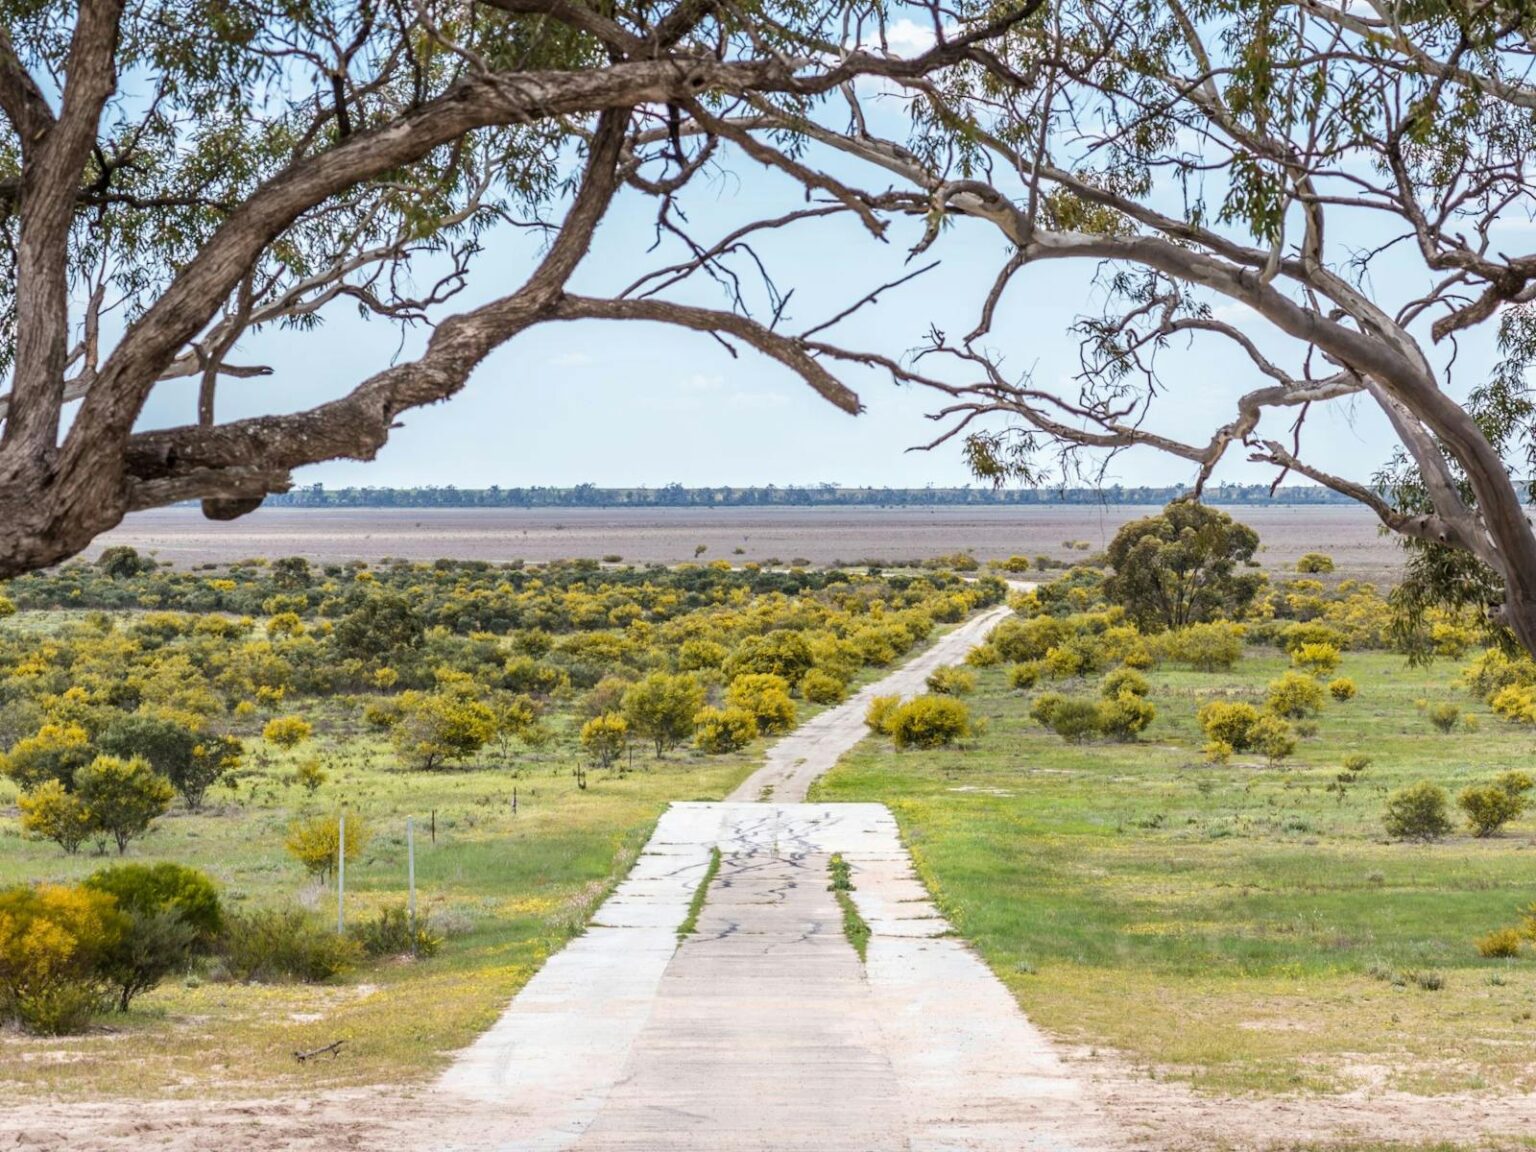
x,y
272,944
1491,806
1076,720
52,941
1024,676
1216,646
877,717
1294,696
821,687
1272,738
1078,656
766,697
123,797
1125,681
1125,716
1320,660
1230,722
390,933
1417,812
53,752
165,887
718,730
1444,716
983,656
1315,562
1045,707
1218,752
1301,633
1342,689
951,680
1499,945
1355,763
930,722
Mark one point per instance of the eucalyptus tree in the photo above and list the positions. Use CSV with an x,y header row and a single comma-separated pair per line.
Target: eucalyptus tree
x,y
177,175
1334,189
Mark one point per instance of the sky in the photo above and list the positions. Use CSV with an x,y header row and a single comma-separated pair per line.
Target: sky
x,y
637,404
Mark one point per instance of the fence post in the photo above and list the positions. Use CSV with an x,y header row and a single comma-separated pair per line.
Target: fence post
x,y
341,874
410,869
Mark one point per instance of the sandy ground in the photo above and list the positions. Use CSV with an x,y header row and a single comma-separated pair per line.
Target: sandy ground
x,y
669,536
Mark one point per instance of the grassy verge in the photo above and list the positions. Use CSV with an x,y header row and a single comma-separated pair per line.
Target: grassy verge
x,y
1241,927
690,923
854,926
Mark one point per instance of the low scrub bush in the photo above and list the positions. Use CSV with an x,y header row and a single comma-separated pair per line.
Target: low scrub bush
x,y
1444,716
1272,738
1314,562
983,656
1499,945
1489,807
820,687
1294,696
718,730
390,933
1229,722
1024,676
1515,702
766,697
53,939
930,722
1125,716
1320,660
1125,681
877,717
951,680
270,944
1417,812
1076,720
1212,647
1342,689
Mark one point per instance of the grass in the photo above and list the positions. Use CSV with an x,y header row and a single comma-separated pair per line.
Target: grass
x,y
690,923
1241,927
511,889
854,925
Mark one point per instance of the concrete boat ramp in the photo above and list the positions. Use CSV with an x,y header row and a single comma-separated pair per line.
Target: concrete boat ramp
x,y
763,1031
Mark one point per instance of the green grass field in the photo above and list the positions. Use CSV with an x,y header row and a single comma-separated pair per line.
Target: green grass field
x,y
1241,927
513,889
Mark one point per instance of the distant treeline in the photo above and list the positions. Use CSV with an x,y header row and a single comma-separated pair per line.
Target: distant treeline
x,y
817,495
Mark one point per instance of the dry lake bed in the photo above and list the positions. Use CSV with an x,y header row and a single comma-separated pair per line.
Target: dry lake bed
x,y
671,535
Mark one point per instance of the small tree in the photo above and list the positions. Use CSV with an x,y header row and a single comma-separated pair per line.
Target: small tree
x,y
930,722
662,706
123,797
1272,738
50,812
604,737
191,761
438,728
287,732
309,775
1417,812
313,842
1180,567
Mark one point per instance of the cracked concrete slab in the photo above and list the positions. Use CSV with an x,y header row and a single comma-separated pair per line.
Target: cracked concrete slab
x,y
763,1032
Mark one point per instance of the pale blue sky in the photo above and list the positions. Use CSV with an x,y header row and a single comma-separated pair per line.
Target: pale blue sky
x,y
646,405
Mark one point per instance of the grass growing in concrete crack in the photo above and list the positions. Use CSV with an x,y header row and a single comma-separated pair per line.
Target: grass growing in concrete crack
x,y
854,925
690,923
